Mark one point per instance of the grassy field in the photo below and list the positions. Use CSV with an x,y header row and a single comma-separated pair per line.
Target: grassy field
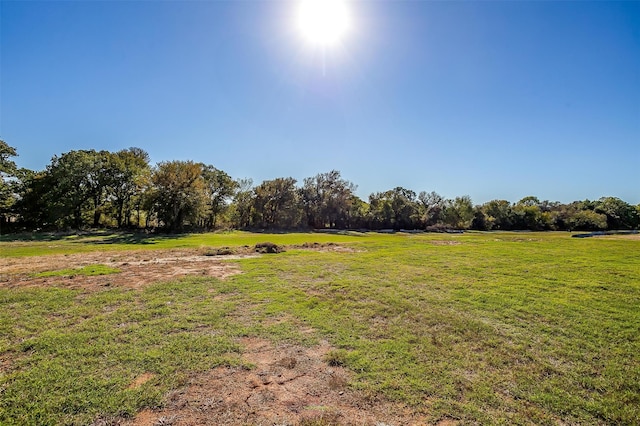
x,y
482,328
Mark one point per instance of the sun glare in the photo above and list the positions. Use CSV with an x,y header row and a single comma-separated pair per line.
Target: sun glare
x,y
323,22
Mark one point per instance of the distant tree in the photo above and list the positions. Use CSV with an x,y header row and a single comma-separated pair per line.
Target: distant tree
x,y
79,186
128,173
358,212
33,207
587,220
479,221
276,204
99,181
620,214
327,200
529,201
458,213
432,206
242,204
498,214
527,214
179,193
396,209
6,152
220,188
405,209
380,211
8,183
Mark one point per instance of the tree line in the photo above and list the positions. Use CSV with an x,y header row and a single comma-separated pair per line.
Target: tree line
x,y
92,189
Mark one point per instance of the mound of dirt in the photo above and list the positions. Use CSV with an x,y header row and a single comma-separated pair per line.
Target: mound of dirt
x,y
268,248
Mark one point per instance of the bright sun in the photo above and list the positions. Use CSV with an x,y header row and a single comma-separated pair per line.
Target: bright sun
x,y
323,22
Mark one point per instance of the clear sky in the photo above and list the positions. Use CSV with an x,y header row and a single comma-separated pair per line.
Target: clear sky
x,y
492,99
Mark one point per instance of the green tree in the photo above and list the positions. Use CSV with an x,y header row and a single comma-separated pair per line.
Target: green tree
x,y
37,190
499,214
179,193
242,204
396,209
80,186
587,220
432,206
128,172
8,183
98,181
620,214
327,200
479,221
276,204
458,213
358,212
220,188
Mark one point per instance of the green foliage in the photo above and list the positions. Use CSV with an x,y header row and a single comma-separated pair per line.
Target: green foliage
x,y
395,209
8,171
620,214
179,194
432,207
458,212
588,220
220,188
7,166
79,186
92,188
499,214
328,200
241,208
129,175
276,204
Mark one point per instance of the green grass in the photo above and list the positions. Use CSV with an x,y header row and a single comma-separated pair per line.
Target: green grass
x,y
485,328
89,270
38,244
74,355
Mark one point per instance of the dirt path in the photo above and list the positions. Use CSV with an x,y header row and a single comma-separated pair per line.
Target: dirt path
x,y
138,268
289,385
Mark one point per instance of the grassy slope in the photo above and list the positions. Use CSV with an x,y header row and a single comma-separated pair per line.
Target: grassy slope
x,y
500,328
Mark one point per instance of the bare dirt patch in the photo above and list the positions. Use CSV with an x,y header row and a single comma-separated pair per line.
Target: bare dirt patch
x,y
324,247
288,385
445,243
141,380
138,268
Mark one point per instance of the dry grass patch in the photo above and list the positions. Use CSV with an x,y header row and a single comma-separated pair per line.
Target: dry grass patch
x,y
136,268
288,385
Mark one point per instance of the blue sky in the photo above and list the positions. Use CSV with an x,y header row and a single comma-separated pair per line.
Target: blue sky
x,y
495,99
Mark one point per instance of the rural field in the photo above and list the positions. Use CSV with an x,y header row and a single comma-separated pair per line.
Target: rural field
x,y
338,329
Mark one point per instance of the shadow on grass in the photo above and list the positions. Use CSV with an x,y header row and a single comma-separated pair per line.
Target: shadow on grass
x,y
91,237
332,231
135,238
49,236
98,237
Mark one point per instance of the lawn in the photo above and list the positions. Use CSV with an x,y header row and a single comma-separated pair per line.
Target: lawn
x,y
478,328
